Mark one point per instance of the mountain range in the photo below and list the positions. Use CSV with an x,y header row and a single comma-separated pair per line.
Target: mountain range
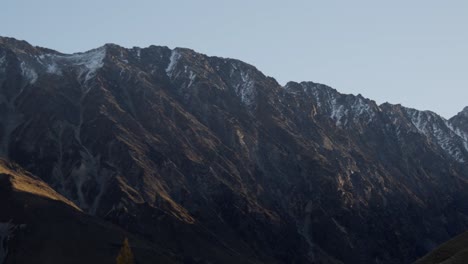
x,y
199,159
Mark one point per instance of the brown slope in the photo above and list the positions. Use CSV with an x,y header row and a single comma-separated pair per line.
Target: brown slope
x,y
24,182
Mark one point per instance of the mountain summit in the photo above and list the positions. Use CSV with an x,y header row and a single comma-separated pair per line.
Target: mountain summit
x,y
211,161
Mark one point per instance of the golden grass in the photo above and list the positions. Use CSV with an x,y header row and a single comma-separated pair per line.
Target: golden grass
x,y
22,182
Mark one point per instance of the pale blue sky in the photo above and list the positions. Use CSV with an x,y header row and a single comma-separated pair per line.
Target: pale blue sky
x,y
412,52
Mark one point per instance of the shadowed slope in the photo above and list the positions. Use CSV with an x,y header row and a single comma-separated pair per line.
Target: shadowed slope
x,y
455,251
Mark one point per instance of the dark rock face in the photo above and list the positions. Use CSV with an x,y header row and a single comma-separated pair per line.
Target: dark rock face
x,y
218,162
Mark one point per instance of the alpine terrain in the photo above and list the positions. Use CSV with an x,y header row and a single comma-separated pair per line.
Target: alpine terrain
x,y
198,159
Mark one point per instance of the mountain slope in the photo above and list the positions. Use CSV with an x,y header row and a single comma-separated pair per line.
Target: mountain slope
x,y
158,140
455,251
38,225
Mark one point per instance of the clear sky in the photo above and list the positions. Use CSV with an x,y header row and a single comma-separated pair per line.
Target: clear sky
x,y
413,52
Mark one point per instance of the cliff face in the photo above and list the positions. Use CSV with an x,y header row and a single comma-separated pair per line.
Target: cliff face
x,y
193,151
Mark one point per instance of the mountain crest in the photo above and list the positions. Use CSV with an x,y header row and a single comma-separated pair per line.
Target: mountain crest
x,y
217,163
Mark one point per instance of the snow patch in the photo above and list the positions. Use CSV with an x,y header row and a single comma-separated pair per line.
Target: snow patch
x,y
88,63
337,112
461,134
439,131
361,107
53,69
175,56
315,94
28,73
246,89
192,77
138,53
341,108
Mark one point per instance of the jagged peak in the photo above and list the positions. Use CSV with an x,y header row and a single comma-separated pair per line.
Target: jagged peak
x,y
329,92
24,47
15,43
314,85
463,112
176,54
292,87
434,127
343,109
427,113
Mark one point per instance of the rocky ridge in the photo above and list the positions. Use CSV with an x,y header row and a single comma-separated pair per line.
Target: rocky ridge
x,y
156,139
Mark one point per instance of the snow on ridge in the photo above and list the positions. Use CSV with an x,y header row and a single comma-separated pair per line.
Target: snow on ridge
x,y
439,130
288,88
360,107
460,133
242,82
88,62
314,90
338,111
175,56
91,61
341,108
421,119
